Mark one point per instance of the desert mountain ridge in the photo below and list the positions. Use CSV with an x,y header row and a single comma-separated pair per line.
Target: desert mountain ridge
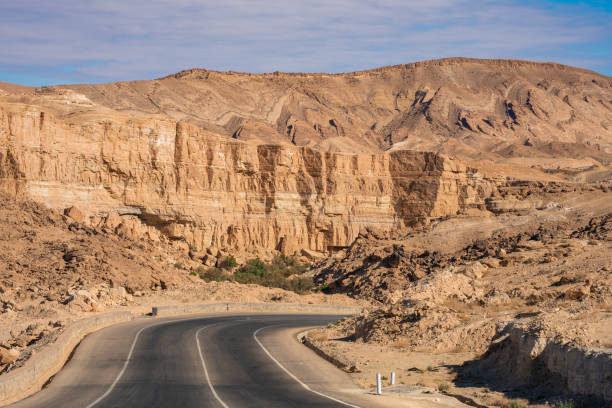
x,y
500,110
426,63
465,107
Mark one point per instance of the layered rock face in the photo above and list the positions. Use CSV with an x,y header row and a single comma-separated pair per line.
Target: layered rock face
x,y
213,191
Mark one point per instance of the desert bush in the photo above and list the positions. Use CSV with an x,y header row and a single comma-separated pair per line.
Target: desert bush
x,y
516,405
563,405
282,272
193,273
459,348
211,274
229,262
288,259
443,387
298,285
254,268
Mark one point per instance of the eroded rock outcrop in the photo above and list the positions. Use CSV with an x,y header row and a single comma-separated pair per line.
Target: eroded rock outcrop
x,y
213,191
523,358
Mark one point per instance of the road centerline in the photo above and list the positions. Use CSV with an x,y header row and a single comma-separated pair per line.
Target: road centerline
x,y
210,385
290,374
129,357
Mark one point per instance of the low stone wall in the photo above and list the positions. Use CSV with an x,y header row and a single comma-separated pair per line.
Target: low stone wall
x,y
25,381
161,311
343,365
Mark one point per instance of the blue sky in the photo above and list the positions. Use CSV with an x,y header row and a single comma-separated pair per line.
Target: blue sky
x,y
74,41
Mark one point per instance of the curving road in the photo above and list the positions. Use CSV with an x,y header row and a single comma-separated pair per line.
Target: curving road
x,y
228,361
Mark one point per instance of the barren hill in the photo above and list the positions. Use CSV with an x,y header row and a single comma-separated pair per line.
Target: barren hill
x,y
466,107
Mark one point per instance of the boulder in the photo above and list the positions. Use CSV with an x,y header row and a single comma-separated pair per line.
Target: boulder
x,y
311,255
288,245
491,262
8,356
209,260
74,213
474,270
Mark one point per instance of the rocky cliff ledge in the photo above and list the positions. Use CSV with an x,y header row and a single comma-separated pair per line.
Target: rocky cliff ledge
x,y
213,191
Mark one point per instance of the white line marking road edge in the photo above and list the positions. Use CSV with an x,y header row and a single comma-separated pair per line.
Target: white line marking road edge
x,y
290,374
129,357
212,389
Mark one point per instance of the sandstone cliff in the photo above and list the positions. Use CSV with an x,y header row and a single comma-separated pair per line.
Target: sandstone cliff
x,y
212,191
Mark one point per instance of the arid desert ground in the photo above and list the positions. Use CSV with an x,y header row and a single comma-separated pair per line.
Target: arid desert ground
x,y
465,204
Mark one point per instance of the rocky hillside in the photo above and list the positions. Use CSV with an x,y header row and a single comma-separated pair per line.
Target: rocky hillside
x,y
466,107
507,309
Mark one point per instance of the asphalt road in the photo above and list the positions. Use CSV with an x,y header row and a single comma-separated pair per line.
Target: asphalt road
x,y
227,361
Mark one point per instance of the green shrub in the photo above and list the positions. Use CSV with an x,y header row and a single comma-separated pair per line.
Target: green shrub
x,y
193,273
443,387
289,260
282,272
253,268
516,405
230,262
563,405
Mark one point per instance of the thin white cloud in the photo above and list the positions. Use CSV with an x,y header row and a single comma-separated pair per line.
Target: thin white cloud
x,y
110,40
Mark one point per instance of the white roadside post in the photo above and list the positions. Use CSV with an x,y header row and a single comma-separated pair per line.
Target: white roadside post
x,y
378,384
392,378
